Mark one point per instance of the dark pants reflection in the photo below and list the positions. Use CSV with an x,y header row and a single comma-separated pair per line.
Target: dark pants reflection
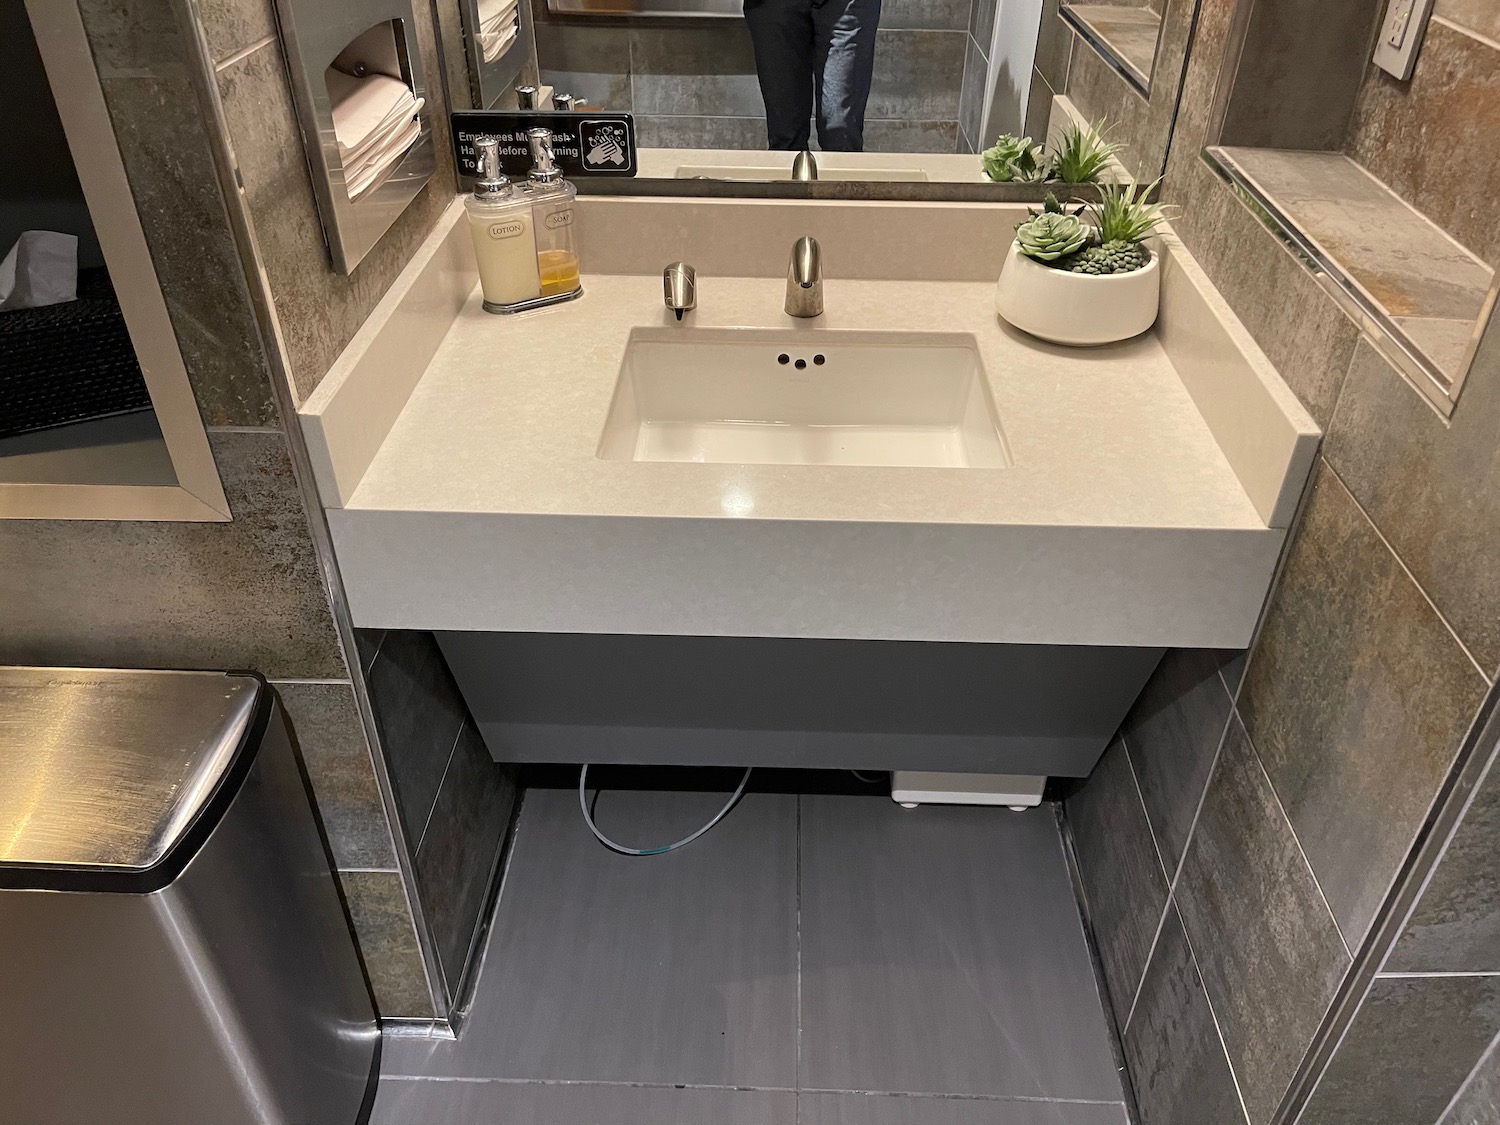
x,y
807,47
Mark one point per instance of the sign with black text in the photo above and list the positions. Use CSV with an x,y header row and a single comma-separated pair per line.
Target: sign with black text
x,y
583,143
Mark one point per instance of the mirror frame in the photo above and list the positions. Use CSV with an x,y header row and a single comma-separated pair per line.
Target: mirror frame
x,y
198,495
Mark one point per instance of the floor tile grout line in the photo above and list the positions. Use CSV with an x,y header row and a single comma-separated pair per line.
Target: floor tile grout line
x,y
924,1095
1213,1015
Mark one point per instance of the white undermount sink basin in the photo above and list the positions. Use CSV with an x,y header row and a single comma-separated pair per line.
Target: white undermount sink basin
x,y
769,397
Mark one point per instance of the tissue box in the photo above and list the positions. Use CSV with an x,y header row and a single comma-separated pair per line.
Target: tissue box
x,y
71,362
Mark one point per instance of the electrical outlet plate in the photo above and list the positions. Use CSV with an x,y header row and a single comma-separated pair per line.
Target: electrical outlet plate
x,y
1401,36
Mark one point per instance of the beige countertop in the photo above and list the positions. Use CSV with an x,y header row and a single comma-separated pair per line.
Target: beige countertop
x,y
480,501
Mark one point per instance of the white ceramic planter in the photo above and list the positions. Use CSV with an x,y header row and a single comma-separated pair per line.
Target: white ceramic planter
x,y
1077,308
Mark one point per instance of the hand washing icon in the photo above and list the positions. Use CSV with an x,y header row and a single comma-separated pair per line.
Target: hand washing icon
x,y
605,144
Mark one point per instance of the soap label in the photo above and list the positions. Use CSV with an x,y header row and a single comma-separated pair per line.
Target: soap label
x,y
512,228
558,219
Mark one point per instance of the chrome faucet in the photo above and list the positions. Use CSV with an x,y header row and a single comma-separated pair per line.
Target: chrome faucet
x,y
804,279
679,284
804,167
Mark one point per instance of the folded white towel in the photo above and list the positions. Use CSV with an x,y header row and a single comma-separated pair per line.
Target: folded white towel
x,y
364,107
493,45
378,139
371,171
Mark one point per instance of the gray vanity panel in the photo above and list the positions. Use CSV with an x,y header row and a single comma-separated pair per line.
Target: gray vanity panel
x,y
829,704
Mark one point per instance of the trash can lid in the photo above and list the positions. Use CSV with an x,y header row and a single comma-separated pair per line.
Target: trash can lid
x,y
108,771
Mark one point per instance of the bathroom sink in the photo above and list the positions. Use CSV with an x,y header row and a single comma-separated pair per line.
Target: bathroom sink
x,y
767,397
784,172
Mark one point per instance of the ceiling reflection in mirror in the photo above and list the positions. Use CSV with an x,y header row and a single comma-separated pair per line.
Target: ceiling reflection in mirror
x,y
908,92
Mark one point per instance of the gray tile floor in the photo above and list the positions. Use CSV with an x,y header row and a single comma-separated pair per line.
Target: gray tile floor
x,y
817,960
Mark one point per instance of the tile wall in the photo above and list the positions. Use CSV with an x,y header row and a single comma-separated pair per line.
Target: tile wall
x,y
252,593
1258,809
692,83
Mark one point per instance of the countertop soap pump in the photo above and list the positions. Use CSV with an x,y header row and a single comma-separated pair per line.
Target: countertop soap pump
x,y
504,233
552,199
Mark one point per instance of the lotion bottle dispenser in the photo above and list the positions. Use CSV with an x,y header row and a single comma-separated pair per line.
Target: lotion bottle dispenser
x,y
552,199
504,233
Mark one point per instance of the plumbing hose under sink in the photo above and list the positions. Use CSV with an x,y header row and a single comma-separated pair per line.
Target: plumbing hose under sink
x,y
588,818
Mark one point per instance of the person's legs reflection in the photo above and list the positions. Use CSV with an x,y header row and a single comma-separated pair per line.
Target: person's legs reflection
x,y
782,34
844,65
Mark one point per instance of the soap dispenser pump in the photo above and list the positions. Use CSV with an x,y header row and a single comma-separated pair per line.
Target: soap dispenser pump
x,y
504,233
552,199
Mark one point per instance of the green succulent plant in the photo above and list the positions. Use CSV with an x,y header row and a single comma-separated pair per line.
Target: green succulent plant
x,y
1111,257
1051,206
1081,153
1013,159
1124,213
1051,236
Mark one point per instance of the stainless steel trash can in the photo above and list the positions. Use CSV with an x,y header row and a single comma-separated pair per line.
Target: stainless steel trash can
x,y
172,946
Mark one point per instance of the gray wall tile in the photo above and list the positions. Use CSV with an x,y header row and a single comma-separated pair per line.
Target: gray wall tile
x,y
457,854
1356,699
1432,489
1456,924
698,71
1038,111
319,309
971,96
1454,93
233,25
145,72
368,642
914,75
1479,1101
981,23
419,712
1172,1047
936,15
592,63
1173,733
1054,46
1269,954
911,136
700,132
326,726
243,594
1123,883
387,942
1407,1053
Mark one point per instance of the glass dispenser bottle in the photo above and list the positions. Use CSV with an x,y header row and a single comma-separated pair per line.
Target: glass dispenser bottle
x,y
552,199
504,232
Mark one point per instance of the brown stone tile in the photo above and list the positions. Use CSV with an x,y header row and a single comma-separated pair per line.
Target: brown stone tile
x,y
319,309
242,594
457,854
1482,16
1478,1103
1267,950
233,25
917,75
910,136
1357,698
1124,886
1054,46
1432,138
388,944
689,70
1432,489
1130,33
326,726
1177,1063
1410,1048
1173,734
1456,924
145,71
1296,77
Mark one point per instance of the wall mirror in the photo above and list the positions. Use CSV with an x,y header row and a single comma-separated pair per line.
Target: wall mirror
x,y
725,92
1329,150
98,418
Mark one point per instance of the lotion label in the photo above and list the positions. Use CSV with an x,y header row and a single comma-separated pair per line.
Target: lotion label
x,y
511,228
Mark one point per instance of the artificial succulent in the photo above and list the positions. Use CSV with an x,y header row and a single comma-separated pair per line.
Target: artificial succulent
x,y
1051,235
1013,159
1080,154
